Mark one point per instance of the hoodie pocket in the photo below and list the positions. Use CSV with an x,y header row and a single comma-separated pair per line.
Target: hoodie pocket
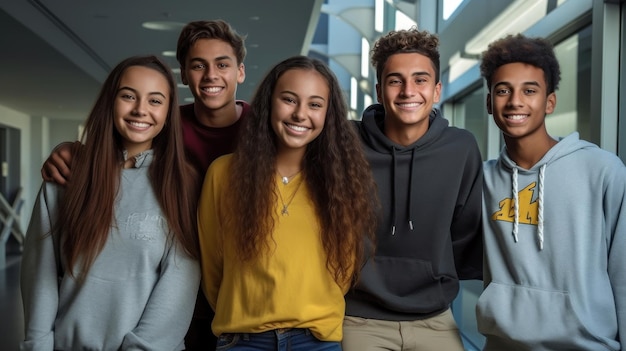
x,y
539,319
406,284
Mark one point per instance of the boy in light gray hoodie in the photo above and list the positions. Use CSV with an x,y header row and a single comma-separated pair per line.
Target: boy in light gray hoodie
x,y
554,215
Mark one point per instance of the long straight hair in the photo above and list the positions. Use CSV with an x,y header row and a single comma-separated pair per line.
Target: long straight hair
x,y
86,213
335,171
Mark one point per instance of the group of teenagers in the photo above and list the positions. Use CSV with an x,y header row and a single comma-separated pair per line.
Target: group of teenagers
x,y
282,225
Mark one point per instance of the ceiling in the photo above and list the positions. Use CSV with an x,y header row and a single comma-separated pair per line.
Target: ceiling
x,y
55,54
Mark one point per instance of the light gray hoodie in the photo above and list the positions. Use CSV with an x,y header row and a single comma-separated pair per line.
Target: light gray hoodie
x,y
555,251
138,295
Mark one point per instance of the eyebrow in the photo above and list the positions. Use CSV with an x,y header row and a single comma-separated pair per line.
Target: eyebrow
x,y
310,97
219,58
414,74
532,82
135,91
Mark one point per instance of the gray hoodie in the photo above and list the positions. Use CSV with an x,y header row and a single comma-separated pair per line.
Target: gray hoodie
x,y
138,295
555,248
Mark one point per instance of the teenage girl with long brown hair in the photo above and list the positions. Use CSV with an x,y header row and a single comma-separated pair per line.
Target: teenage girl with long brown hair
x,y
284,220
110,260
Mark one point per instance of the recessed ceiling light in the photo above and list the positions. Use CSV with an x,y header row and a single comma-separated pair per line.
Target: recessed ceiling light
x,y
176,70
255,18
163,25
253,45
169,53
181,85
189,99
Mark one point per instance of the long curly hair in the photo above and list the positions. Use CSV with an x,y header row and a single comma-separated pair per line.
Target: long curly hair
x,y
405,41
537,52
86,213
335,172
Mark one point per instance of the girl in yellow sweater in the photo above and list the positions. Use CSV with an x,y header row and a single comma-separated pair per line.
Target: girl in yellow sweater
x,y
284,220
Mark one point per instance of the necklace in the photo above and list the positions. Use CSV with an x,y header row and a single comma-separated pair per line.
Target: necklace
x,y
285,179
284,210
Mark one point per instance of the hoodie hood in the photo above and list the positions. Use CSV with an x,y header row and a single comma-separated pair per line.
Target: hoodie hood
x,y
564,147
373,135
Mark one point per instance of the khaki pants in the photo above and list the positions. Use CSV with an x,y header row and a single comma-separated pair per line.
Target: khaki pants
x,y
438,333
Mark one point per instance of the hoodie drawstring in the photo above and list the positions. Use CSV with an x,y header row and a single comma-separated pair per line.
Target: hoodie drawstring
x,y
540,189
393,195
542,171
411,189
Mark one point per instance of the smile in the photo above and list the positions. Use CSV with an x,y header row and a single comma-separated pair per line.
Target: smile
x,y
212,90
296,128
515,117
140,125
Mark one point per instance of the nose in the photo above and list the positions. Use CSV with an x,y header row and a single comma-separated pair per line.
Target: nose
x,y
209,73
298,112
515,99
408,90
140,109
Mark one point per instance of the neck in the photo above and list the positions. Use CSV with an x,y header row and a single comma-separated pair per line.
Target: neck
x,y
405,135
289,162
217,118
526,152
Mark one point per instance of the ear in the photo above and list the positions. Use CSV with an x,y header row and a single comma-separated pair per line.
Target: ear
x,y
241,73
183,75
489,106
550,103
437,94
379,97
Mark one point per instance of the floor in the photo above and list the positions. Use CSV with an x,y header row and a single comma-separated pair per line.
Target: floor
x,y
12,320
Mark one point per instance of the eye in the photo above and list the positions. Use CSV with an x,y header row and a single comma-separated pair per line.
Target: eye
x,y
316,105
502,91
127,96
155,101
198,66
529,91
223,65
395,82
289,100
420,80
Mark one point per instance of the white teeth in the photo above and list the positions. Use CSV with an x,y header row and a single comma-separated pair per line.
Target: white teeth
x,y
139,124
413,104
212,89
297,128
516,117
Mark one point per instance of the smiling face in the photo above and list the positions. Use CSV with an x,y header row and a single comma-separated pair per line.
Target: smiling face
x,y
212,73
299,104
519,102
408,89
141,107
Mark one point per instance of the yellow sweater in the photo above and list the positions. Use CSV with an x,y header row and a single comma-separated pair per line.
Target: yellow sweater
x,y
288,288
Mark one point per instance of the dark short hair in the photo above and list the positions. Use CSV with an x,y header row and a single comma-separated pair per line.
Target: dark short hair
x,y
405,41
537,52
216,29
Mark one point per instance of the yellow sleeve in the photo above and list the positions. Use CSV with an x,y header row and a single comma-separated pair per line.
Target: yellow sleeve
x,y
209,229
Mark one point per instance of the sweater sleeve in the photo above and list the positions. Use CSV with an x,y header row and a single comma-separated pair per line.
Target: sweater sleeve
x,y
466,226
211,252
615,214
169,310
39,274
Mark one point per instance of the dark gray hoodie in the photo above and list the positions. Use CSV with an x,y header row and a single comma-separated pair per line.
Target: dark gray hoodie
x,y
430,232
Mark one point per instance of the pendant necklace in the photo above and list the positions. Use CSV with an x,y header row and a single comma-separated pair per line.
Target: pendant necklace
x,y
284,210
285,179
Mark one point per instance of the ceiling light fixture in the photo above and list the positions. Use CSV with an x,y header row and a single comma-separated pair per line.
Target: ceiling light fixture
x,y
163,25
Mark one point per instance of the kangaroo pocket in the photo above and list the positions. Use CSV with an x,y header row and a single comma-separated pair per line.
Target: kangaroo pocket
x,y
540,319
407,285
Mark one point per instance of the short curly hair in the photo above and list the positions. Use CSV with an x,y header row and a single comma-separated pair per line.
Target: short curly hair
x,y
537,52
405,41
